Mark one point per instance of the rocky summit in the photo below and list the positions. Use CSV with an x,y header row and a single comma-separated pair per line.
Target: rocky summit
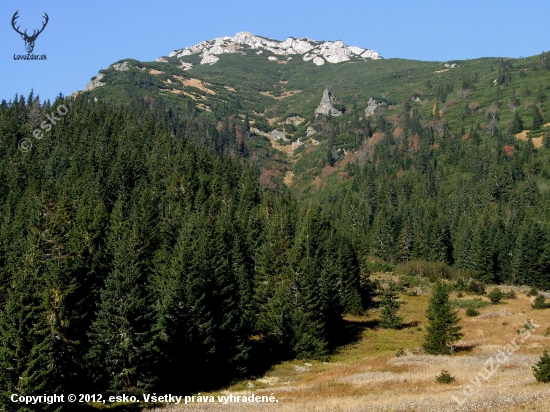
x,y
318,52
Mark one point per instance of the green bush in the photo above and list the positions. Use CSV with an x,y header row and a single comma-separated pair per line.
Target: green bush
x,y
400,352
444,377
434,271
262,124
495,296
533,291
374,265
471,312
510,295
542,369
540,302
475,287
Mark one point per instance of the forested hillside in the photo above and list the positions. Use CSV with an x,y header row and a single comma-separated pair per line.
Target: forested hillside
x,y
131,252
158,237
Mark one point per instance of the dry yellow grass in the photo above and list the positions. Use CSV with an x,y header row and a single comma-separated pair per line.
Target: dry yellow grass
x,y
196,83
288,178
367,376
286,149
283,95
537,141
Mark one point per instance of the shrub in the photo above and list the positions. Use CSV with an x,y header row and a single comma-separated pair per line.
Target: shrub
x,y
510,295
471,312
262,124
444,377
400,352
475,287
460,295
460,285
374,265
434,271
542,369
533,291
495,296
540,302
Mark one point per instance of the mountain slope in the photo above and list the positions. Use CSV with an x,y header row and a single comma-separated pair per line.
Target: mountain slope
x,y
244,83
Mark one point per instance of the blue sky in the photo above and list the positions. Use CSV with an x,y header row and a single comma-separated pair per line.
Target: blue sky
x,y
83,37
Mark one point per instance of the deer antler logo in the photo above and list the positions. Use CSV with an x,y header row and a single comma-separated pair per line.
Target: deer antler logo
x,y
29,40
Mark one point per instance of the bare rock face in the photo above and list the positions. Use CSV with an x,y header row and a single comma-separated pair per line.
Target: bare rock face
x,y
297,143
295,120
319,61
95,83
319,52
310,131
120,67
208,58
274,134
279,135
186,66
325,107
372,105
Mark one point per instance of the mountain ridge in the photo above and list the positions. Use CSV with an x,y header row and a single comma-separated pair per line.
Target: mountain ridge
x,y
318,52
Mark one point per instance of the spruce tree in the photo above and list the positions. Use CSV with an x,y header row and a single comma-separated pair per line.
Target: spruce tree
x,y
517,124
121,356
542,369
443,329
389,307
537,119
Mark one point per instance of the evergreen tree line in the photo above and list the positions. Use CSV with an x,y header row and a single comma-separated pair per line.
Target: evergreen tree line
x,y
136,258
476,202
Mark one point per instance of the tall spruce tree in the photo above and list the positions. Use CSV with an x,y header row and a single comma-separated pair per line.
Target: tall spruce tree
x,y
443,329
537,119
389,307
121,356
517,123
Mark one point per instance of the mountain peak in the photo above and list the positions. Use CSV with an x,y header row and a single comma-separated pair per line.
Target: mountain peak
x,y
317,52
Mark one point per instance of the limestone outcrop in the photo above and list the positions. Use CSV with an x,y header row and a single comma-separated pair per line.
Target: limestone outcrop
x,y
372,105
274,134
95,83
317,52
295,120
325,107
120,67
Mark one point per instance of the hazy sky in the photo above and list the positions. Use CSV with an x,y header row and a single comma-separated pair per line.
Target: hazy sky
x,y
83,37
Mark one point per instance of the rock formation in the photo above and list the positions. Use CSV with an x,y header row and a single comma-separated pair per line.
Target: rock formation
x,y
96,82
325,107
186,66
274,134
310,131
120,67
332,52
372,105
295,120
